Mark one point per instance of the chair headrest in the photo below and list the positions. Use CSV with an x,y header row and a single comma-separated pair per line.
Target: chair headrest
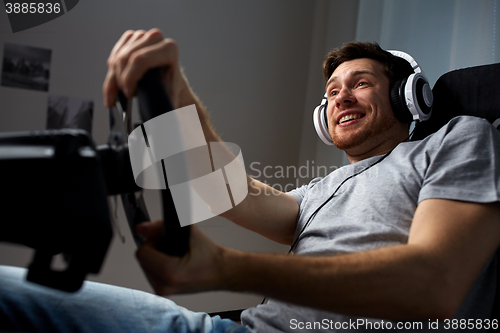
x,y
473,91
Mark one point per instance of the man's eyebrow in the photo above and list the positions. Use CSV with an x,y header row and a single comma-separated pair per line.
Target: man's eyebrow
x,y
354,73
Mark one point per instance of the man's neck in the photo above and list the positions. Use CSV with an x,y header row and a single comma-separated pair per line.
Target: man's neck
x,y
360,153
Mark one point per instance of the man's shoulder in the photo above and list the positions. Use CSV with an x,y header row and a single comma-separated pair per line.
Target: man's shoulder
x,y
464,128
464,136
460,121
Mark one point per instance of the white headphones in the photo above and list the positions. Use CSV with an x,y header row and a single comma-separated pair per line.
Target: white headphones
x,y
411,99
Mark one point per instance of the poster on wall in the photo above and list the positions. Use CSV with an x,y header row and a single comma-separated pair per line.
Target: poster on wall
x,y
69,112
26,67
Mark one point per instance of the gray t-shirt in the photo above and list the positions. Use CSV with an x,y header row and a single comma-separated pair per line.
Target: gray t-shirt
x,y
375,209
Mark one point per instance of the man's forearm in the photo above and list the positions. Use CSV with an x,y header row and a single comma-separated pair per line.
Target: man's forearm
x,y
266,211
188,97
392,283
269,212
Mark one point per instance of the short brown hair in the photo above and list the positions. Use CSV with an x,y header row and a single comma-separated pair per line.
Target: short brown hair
x,y
395,67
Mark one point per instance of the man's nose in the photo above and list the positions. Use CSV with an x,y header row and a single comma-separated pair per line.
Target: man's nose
x,y
344,96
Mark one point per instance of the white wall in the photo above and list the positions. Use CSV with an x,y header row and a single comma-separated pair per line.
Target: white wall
x,y
337,20
441,35
254,63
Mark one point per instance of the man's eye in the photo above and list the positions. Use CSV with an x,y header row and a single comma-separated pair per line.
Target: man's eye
x,y
334,93
361,84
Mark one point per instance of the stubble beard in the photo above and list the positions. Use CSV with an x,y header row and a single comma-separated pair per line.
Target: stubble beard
x,y
352,140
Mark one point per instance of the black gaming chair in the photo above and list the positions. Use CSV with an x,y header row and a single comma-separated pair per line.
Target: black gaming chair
x,y
473,91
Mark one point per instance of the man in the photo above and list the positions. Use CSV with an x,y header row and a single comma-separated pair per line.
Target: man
x,y
402,233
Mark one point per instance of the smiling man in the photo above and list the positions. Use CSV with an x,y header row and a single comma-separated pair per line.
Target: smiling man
x,y
359,117
406,232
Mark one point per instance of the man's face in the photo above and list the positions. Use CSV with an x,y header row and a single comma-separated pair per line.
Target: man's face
x,y
360,117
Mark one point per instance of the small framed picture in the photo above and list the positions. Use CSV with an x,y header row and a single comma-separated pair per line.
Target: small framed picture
x,y
26,67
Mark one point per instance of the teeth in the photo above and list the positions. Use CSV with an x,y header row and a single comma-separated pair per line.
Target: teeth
x,y
349,117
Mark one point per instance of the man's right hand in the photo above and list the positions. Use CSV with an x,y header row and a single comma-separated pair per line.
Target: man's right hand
x,y
271,215
133,55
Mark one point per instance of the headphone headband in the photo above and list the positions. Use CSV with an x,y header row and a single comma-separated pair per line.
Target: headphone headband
x,y
407,57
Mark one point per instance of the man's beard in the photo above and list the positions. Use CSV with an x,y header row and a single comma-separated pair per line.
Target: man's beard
x,y
370,130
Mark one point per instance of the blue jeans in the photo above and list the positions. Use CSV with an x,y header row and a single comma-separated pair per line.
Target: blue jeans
x,y
96,308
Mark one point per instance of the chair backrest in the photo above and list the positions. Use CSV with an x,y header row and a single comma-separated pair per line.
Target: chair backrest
x,y
473,91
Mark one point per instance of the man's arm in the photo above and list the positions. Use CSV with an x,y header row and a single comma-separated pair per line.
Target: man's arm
x,y
427,278
265,210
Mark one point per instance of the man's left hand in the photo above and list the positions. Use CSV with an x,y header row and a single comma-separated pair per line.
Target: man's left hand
x,y
198,270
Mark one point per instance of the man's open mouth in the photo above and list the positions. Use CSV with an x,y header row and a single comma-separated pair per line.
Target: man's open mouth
x,y
350,117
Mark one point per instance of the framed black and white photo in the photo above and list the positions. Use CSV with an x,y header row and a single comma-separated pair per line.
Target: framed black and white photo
x,y
26,67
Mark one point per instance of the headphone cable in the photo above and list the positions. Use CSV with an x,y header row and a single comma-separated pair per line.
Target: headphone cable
x,y
338,187
333,195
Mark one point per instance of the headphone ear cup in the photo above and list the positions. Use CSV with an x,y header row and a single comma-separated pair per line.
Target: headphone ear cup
x,y
398,101
321,123
411,98
419,96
